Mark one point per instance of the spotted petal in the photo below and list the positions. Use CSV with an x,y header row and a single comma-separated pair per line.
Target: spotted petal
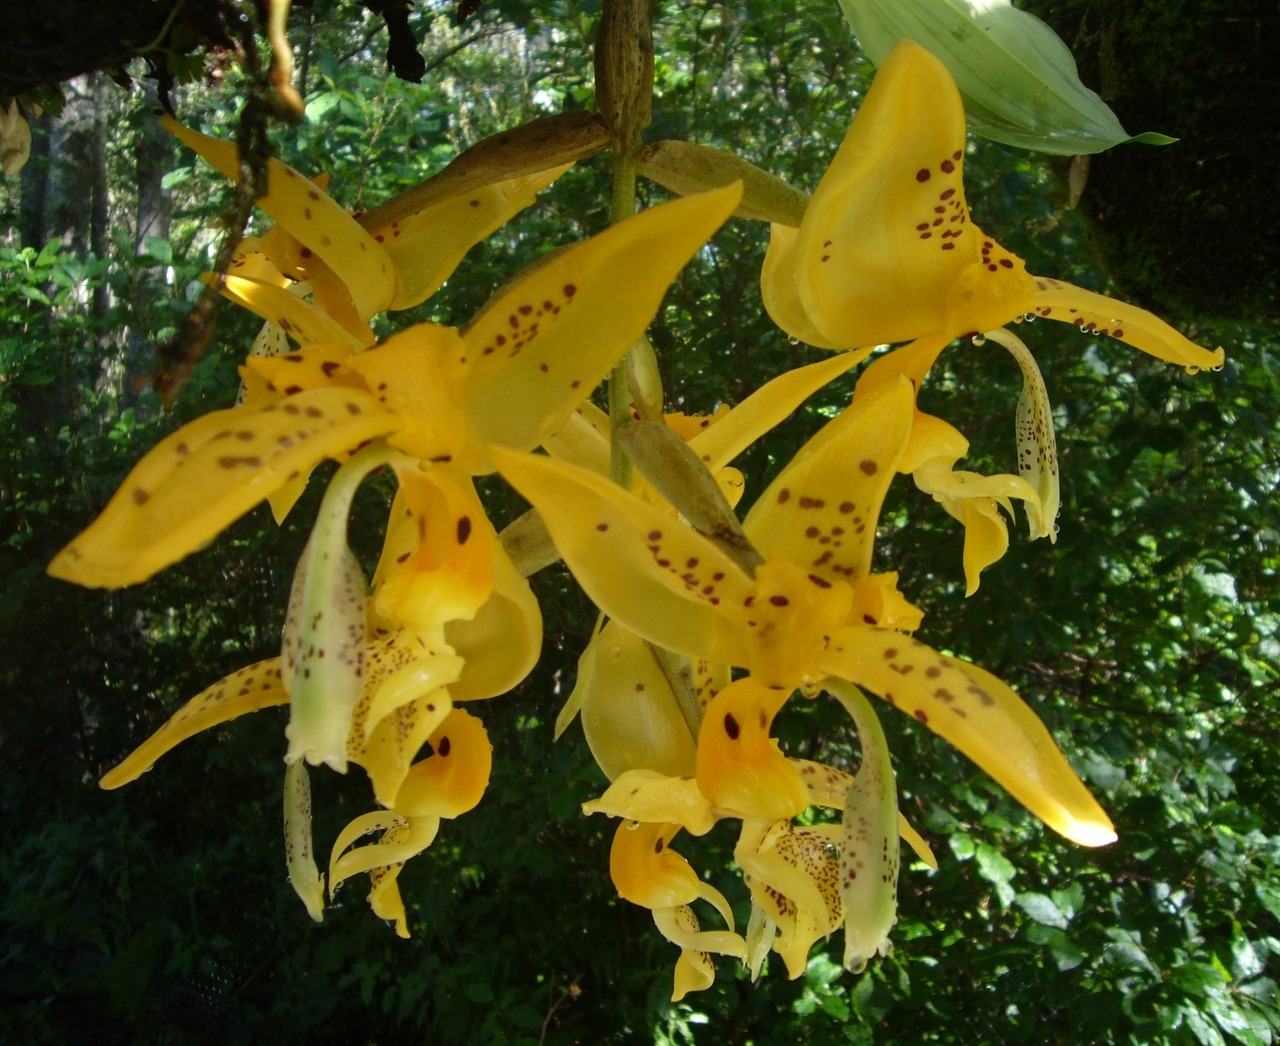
x,y
740,768
658,577
427,246
979,715
821,511
196,482
886,251
1098,314
543,346
299,206
256,686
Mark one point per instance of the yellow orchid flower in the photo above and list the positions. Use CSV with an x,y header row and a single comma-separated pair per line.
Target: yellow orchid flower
x,y
353,273
887,251
437,395
801,619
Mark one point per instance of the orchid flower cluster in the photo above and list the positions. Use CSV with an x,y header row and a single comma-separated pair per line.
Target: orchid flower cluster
x,y
710,625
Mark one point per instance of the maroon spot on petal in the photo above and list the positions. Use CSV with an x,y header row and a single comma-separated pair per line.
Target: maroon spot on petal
x,y
464,529
140,496
779,601
442,749
602,527
923,174
731,726
869,467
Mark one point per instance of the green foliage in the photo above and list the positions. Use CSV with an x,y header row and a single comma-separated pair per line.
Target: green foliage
x,y
1147,638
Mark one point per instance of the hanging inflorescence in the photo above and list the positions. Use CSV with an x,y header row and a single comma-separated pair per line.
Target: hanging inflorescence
x,y
709,624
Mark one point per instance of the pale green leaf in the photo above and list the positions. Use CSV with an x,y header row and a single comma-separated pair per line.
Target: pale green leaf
x,y
1018,79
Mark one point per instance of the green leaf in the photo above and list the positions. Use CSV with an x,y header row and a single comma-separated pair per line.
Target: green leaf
x,y
1066,954
1019,81
1041,909
176,177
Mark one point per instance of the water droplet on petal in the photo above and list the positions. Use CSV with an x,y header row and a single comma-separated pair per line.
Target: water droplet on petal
x,y
1192,370
979,340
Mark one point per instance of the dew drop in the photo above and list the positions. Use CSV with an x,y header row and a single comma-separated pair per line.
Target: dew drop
x,y
1030,317
793,341
1192,370
979,340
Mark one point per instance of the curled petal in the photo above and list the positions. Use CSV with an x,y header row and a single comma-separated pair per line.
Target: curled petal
x,y
650,797
402,838
647,872
543,346
298,205
1098,314
452,780
251,688
794,877
680,926
629,713
979,715
740,769
195,483
694,970
303,321
501,644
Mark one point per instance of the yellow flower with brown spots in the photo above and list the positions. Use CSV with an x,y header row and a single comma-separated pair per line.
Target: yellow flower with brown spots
x,y
887,252
436,394
812,612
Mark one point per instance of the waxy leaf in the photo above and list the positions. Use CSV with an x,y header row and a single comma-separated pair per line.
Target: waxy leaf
x,y
1018,79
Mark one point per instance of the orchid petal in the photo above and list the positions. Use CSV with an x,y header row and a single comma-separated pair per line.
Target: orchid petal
x,y
196,482
719,443
979,715
453,779
501,644
680,926
870,851
1098,314
296,204
650,797
323,647
253,687
437,559
740,769
304,877
306,323
794,877
402,839
540,348
886,251
629,714
427,246
821,510
646,871
782,298
658,577
1037,447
